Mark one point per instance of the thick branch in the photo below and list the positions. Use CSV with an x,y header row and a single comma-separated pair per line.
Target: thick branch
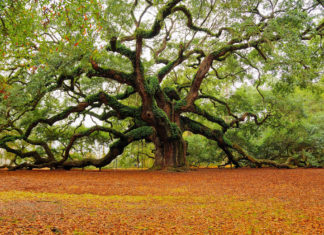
x,y
115,149
121,109
163,13
210,117
199,76
216,135
87,133
260,162
212,98
191,25
172,64
206,64
33,154
225,144
45,147
117,46
121,77
128,92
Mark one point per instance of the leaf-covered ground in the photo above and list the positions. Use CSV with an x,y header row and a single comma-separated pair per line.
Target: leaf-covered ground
x,y
211,201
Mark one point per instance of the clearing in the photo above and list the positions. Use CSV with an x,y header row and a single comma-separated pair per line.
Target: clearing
x,y
207,201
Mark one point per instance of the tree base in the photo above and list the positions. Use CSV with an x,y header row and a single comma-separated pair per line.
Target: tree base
x,y
170,169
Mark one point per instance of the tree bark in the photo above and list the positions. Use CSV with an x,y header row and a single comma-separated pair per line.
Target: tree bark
x,y
170,154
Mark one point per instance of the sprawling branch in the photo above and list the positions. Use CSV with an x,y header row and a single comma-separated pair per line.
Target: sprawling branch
x,y
87,133
210,117
115,149
237,119
199,76
45,146
116,46
172,64
163,13
247,114
50,87
216,135
128,92
193,27
212,98
64,114
31,154
121,77
260,162
206,64
225,144
121,110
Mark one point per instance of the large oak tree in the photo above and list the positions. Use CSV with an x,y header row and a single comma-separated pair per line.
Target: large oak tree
x,y
144,70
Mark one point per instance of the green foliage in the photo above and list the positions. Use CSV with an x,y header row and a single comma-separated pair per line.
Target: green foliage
x,y
136,155
66,66
295,129
203,151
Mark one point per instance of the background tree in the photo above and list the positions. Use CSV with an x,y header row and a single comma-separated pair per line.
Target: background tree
x,y
145,70
295,131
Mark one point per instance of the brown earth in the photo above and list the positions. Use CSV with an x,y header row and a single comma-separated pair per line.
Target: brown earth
x,y
211,201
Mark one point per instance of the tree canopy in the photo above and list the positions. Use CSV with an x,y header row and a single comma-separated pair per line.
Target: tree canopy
x,y
91,73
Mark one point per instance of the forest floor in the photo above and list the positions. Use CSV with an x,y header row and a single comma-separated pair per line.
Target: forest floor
x,y
207,201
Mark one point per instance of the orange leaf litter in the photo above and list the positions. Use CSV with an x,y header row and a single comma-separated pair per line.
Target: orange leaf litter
x,y
207,201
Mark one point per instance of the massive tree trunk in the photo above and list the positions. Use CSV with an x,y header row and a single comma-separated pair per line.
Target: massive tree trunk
x,y
170,154
170,147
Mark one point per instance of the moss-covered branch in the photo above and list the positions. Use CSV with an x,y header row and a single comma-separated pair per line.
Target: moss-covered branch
x,y
219,55
172,64
121,77
216,135
225,144
49,87
36,156
128,92
122,111
260,162
211,118
87,133
115,149
158,24
104,116
222,53
64,114
31,154
45,146
212,98
116,46
194,27
237,119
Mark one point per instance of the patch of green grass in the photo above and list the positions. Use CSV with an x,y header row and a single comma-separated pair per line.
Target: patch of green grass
x,y
55,197
76,232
